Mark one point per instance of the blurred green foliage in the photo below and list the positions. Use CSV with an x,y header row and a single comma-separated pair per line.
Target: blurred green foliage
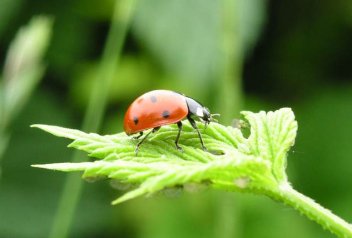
x,y
296,53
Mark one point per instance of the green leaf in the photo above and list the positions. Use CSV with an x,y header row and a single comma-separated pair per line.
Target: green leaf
x,y
272,135
253,164
184,35
23,66
233,163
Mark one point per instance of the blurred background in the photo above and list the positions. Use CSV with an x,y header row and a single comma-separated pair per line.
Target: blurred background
x,y
80,63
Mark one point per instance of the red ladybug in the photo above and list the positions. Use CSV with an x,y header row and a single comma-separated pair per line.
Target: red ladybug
x,y
163,107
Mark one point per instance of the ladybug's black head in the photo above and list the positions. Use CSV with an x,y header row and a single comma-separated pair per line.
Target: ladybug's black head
x,y
206,118
195,109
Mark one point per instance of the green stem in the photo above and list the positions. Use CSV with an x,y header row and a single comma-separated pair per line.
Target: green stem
x,y
230,103
230,89
120,22
305,205
313,211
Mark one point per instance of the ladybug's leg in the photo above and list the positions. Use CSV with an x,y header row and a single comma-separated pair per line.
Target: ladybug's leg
x,y
194,125
139,136
179,124
145,137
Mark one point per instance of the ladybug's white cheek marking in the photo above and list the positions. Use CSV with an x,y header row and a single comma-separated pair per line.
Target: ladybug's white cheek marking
x,y
199,112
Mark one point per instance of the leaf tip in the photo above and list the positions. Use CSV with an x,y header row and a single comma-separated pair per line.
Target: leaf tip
x,y
41,166
66,167
41,126
115,202
119,200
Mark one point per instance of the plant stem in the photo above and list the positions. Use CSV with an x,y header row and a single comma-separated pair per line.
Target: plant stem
x,y
232,62
313,211
229,104
306,206
120,22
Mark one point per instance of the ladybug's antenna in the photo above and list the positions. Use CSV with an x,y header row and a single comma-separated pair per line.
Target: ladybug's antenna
x,y
214,115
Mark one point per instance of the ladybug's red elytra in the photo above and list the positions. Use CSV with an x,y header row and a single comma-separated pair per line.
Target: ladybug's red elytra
x,y
163,107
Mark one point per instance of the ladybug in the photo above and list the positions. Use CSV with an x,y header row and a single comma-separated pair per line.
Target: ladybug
x,y
164,107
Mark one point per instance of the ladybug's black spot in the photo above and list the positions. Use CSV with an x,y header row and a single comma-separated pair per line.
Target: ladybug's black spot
x,y
153,99
165,114
135,120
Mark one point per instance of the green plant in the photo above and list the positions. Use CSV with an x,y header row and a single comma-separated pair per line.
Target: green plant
x,y
119,26
23,70
254,164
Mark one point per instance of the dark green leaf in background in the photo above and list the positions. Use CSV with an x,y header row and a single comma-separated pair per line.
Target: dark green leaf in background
x,y
185,35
